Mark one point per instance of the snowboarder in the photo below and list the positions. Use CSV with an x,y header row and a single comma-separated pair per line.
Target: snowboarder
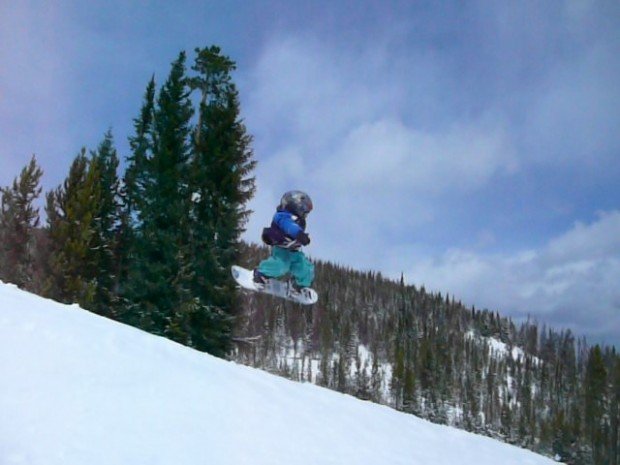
x,y
286,235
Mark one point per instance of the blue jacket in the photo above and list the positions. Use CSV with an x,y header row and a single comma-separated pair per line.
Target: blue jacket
x,y
285,228
288,223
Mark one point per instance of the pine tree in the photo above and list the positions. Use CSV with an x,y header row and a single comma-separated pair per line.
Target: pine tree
x,y
221,185
18,220
72,211
142,147
614,414
104,161
594,401
158,204
131,199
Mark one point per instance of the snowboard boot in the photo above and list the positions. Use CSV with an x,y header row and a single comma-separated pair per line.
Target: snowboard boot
x,y
259,278
294,287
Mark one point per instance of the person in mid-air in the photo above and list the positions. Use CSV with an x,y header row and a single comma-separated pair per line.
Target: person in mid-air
x,y
286,235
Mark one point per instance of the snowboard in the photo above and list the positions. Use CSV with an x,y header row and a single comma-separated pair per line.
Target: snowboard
x,y
245,279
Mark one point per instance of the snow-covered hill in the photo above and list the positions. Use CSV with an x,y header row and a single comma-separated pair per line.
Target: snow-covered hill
x,y
80,389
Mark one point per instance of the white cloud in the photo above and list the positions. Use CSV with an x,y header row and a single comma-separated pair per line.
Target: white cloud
x,y
304,88
595,241
346,113
571,282
333,121
388,155
574,117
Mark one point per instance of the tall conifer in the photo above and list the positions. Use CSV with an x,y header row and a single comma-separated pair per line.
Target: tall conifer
x,y
72,211
221,185
132,201
18,220
104,161
594,401
158,192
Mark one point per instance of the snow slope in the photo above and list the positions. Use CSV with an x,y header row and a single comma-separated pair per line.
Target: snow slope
x,y
79,389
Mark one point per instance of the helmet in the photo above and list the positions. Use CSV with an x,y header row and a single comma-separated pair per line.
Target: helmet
x,y
296,202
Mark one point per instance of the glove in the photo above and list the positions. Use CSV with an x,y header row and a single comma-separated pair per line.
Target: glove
x,y
303,238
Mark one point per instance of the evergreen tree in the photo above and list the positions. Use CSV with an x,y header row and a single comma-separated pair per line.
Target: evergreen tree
x,y
72,211
104,162
183,197
131,198
220,184
18,220
158,202
142,147
594,401
614,413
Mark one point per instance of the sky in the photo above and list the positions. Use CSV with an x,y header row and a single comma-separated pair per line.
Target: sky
x,y
472,147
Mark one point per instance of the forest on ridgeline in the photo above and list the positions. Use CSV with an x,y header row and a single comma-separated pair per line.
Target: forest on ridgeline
x,y
152,247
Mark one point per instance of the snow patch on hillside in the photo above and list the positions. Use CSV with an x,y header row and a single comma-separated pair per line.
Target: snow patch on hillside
x,y
501,349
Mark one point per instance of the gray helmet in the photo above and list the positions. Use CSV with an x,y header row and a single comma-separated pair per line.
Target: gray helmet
x,y
296,202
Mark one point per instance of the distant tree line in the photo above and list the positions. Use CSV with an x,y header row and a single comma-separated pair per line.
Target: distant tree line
x,y
429,355
151,247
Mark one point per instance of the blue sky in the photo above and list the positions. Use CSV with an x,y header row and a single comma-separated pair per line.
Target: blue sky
x,y
472,146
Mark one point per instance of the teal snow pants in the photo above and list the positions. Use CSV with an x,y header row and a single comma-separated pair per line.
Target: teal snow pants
x,y
283,261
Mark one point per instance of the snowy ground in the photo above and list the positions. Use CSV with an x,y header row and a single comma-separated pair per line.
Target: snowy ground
x,y
80,389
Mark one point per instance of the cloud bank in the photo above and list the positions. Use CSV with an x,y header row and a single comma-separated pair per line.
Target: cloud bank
x,y
571,282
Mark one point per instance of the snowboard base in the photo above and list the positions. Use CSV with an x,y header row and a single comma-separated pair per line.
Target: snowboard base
x,y
245,278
